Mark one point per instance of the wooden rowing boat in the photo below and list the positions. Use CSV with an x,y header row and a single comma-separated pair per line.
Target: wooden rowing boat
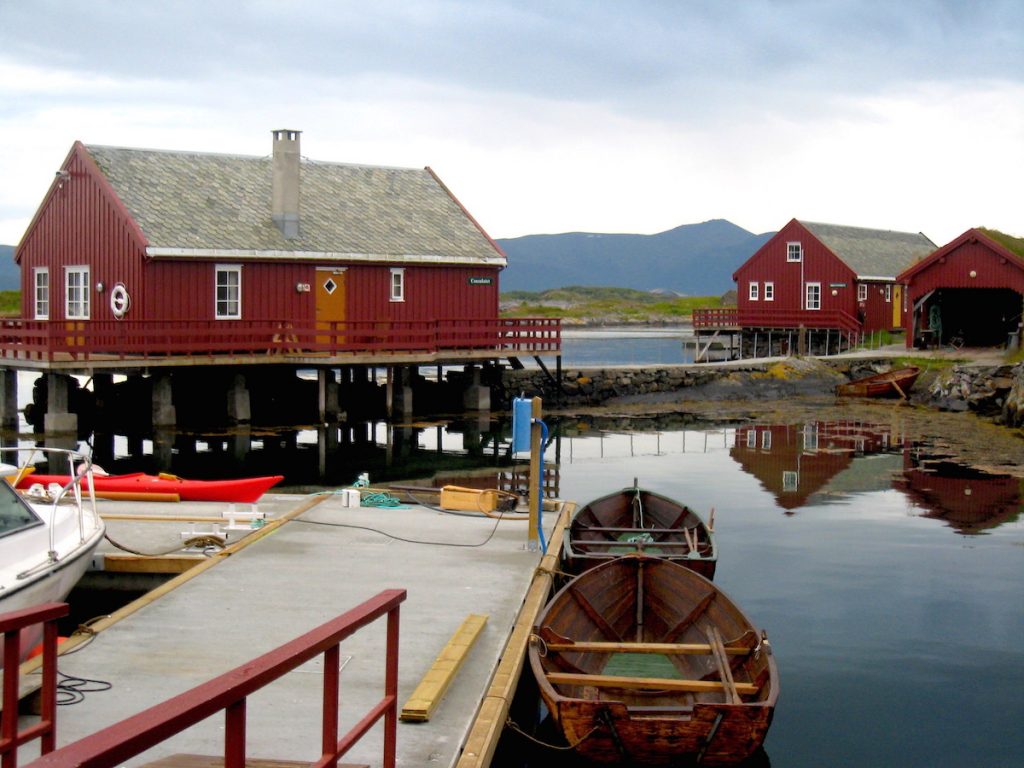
x,y
638,520
642,661
164,487
894,383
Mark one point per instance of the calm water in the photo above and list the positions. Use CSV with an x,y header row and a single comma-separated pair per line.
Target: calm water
x,y
891,586
624,346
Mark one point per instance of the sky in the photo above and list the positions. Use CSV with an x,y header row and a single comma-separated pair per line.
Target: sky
x,y
548,117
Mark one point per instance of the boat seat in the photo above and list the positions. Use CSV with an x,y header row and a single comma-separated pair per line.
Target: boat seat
x,y
646,683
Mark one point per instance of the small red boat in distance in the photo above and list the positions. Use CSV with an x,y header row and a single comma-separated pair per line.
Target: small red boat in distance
x,y
164,487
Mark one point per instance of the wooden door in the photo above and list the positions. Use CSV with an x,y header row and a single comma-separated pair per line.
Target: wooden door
x,y
330,304
897,306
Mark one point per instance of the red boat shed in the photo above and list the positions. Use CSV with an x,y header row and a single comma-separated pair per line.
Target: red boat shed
x,y
968,292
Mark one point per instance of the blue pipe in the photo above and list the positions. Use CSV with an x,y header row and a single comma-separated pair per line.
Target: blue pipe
x,y
540,485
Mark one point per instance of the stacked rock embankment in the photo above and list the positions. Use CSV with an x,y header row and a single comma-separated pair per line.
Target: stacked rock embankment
x,y
995,392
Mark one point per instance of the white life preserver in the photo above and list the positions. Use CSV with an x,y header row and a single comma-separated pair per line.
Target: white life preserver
x,y
120,301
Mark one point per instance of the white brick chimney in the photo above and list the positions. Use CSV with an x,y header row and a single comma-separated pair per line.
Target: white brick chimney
x,y
286,182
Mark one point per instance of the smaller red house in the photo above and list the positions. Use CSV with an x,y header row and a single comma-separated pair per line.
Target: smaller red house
x,y
827,277
968,292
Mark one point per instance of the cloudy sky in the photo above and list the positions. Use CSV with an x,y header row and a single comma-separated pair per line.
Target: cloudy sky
x,y
600,116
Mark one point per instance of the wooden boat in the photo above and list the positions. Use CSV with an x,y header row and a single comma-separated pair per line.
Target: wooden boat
x,y
46,540
642,661
163,487
894,383
637,520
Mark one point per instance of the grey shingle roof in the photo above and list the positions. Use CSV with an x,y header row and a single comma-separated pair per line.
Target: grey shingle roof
x,y
872,252
199,201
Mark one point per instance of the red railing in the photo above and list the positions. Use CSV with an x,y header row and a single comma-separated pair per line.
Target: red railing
x,y
12,625
775,318
229,692
80,339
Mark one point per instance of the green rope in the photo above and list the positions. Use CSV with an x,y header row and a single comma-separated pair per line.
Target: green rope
x,y
381,500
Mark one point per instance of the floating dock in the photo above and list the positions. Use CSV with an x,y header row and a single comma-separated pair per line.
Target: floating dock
x,y
306,560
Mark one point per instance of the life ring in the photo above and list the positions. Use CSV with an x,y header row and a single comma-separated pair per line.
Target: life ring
x,y
120,301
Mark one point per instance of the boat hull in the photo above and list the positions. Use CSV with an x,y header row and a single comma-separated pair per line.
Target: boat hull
x,y
246,490
895,383
648,685
635,520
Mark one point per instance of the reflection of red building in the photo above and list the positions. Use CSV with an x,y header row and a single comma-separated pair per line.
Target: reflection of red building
x,y
968,499
793,461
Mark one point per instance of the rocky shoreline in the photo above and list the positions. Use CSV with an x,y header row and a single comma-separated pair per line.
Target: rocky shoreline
x,y
994,392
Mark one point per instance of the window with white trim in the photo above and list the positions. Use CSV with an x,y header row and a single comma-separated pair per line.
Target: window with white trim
x,y
794,252
769,291
751,438
862,292
766,440
41,292
813,296
810,434
76,293
397,284
227,299
752,292
888,294
790,480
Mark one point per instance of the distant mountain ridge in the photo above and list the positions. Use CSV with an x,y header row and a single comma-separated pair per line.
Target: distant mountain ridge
x,y
693,259
10,273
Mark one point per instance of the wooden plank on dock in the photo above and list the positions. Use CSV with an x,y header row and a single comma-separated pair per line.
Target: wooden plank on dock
x,y
114,563
428,694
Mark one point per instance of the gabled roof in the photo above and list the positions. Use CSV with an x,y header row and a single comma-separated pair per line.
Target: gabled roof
x,y
191,204
1002,245
872,253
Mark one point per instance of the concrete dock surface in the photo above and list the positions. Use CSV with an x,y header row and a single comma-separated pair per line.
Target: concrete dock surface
x,y
287,581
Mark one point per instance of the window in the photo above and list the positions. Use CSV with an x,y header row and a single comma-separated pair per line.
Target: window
x,y
398,284
753,292
888,294
769,291
228,293
794,252
862,292
810,433
41,279
766,440
790,481
752,438
813,296
76,293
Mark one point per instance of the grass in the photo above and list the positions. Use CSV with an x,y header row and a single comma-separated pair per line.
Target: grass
x,y
10,303
589,303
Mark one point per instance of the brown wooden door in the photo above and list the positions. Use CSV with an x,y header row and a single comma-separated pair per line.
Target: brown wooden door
x,y
330,304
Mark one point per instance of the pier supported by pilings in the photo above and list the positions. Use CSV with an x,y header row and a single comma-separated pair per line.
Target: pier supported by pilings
x,y
204,397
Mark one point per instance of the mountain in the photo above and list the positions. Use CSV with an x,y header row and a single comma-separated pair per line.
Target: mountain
x,y
10,273
694,259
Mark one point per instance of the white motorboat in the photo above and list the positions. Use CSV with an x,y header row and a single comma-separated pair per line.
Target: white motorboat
x,y
47,534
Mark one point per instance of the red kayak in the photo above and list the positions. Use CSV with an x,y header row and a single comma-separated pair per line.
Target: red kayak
x,y
162,487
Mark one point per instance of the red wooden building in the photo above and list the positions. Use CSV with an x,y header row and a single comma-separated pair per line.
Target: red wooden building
x,y
834,282
968,292
141,260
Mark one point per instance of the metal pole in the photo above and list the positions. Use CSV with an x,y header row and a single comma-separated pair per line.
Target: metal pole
x,y
533,542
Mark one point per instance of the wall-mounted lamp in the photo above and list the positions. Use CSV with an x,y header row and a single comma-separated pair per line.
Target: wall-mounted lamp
x,y
302,288
835,292
974,273
63,174
99,287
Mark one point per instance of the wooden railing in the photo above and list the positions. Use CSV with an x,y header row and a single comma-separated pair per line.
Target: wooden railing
x,y
731,317
48,340
12,625
229,692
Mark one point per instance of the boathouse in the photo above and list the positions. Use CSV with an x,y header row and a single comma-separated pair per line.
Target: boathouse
x,y
149,263
968,292
821,285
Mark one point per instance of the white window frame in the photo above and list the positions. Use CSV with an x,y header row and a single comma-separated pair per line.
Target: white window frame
x,y
888,293
76,293
397,285
766,440
790,480
41,293
810,438
751,438
229,307
794,251
862,292
769,291
752,291
815,289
